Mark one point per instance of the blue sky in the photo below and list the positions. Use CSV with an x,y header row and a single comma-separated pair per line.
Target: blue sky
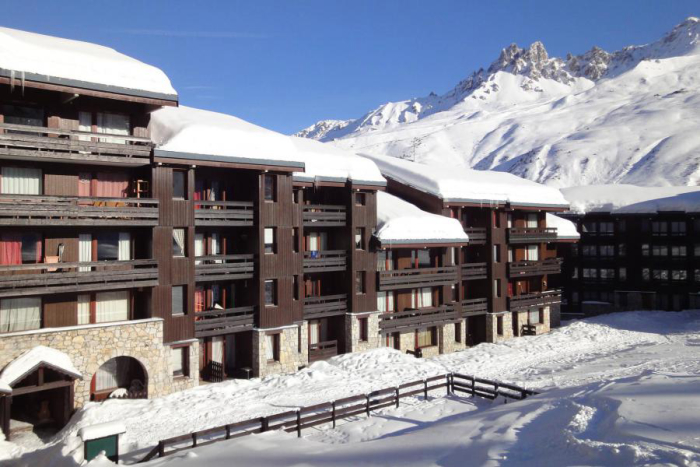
x,y
286,64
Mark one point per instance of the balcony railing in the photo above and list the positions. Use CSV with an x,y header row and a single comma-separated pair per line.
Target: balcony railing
x,y
532,235
534,268
223,321
69,210
59,145
223,213
322,350
325,261
474,306
223,267
319,215
322,307
420,317
473,271
477,235
414,278
53,278
534,300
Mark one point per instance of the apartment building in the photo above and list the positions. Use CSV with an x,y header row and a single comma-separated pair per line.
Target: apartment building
x,y
639,249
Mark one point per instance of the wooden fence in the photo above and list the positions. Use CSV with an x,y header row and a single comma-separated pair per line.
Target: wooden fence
x,y
331,412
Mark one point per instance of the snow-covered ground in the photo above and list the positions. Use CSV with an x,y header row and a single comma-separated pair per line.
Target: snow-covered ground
x,y
621,389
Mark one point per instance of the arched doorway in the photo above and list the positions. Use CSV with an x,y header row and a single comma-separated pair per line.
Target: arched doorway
x,y
120,377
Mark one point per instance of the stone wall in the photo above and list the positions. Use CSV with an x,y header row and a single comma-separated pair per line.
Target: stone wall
x,y
180,383
352,332
492,328
446,337
91,346
290,358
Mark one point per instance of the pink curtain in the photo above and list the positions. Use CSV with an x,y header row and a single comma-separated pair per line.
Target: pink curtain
x,y
10,249
198,299
84,179
198,191
38,249
112,185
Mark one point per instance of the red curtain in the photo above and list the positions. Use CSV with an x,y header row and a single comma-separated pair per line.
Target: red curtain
x,y
198,192
84,179
198,299
38,249
10,249
112,185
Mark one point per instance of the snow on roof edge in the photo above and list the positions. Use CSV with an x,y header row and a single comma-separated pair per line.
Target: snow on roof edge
x,y
30,360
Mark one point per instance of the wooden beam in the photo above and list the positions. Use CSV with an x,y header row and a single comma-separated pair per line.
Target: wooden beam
x,y
44,387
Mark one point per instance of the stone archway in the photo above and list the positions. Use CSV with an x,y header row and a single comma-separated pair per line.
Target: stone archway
x,y
120,377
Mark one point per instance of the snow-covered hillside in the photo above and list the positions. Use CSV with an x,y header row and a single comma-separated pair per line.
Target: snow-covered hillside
x,y
630,116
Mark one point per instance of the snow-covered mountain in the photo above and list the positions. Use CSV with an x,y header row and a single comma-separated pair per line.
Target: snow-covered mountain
x,y
631,116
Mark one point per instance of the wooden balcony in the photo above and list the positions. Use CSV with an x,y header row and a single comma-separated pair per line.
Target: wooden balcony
x,y
223,213
475,306
325,306
320,215
532,235
414,278
473,271
534,268
69,210
325,261
534,300
422,317
217,322
35,143
477,235
223,267
322,350
101,276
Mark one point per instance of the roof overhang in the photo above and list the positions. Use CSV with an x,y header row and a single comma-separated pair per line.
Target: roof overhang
x,y
173,157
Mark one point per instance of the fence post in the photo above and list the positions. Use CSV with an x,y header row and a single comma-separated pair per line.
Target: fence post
x,y
161,449
473,386
228,431
397,397
333,414
425,389
367,396
194,439
447,380
298,423
263,424
495,386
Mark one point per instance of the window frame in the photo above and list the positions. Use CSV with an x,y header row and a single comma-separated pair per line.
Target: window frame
x,y
273,292
182,296
183,174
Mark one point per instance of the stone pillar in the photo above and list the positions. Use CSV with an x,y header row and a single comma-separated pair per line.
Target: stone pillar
x,y
446,337
293,350
352,332
492,327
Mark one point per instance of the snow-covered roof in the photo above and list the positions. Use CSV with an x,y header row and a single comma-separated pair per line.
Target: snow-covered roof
x,y
400,222
36,57
30,360
101,430
189,133
566,230
462,185
631,199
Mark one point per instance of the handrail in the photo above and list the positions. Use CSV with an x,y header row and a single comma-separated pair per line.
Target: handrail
x,y
64,132
324,254
225,259
74,200
226,204
79,264
324,299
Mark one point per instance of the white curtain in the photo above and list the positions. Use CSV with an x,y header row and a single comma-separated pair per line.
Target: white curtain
x,y
381,302
84,251
85,119
390,300
532,221
124,246
114,124
313,333
215,246
198,246
510,254
84,309
425,297
214,192
112,306
269,236
106,376
313,241
179,237
20,314
176,359
21,181
270,347
217,349
533,253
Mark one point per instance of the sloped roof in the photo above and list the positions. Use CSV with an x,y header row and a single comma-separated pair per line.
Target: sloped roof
x,y
32,359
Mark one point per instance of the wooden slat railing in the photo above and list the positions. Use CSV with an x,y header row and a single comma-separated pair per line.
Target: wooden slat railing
x,y
42,278
223,267
419,277
74,210
324,306
473,271
533,300
534,268
322,350
323,215
216,322
224,213
532,235
477,235
325,261
329,413
474,306
431,316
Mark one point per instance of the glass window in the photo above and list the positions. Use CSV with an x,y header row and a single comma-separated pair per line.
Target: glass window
x,y
659,250
499,325
108,246
295,240
646,275
178,300
590,227
660,274
496,254
426,337
179,242
607,228
20,314
679,250
272,347
360,199
607,250
269,187
659,228
179,184
364,329
422,258
622,225
645,249
360,238
607,274
31,248
532,221
270,240
622,274
678,227
590,273
590,250
497,288
381,260
360,282
697,275
295,287
179,358
679,275
458,332
622,249
271,293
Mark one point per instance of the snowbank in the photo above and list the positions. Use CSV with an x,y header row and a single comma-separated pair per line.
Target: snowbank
x,y
101,430
632,199
461,185
36,57
189,133
566,230
31,359
399,221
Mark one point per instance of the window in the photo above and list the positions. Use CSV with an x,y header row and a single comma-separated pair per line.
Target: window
x,y
499,325
574,273
678,228
590,227
497,288
659,250
295,287
660,274
385,260
21,115
271,292
113,124
622,274
574,297
421,258
606,228
496,219
679,251
179,243
532,253
590,250
360,238
532,221
697,275
111,306
458,332
533,317
179,357
20,314
296,196
645,249
659,228
360,282
622,225
385,301
426,337
108,246
607,250
509,220
590,273
451,256
496,254
179,184
697,250
364,329
622,249
422,298
607,274
295,240
646,275
272,347
31,248
269,188
178,300
510,254
270,240
21,181
360,199
453,293
679,275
